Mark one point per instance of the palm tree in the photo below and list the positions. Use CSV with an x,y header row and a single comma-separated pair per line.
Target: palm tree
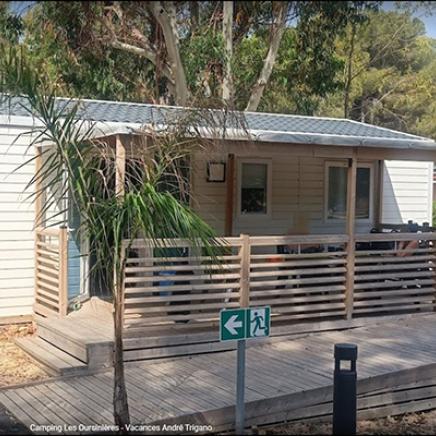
x,y
150,204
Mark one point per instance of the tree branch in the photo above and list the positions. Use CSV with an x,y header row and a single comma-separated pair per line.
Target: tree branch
x,y
166,17
278,28
348,79
149,55
144,50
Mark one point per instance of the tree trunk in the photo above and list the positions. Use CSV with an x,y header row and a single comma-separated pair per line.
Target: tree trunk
x,y
228,51
166,17
349,77
120,401
277,31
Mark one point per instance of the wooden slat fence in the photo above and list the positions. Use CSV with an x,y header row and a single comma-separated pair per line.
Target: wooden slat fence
x,y
51,272
394,274
176,288
174,292
306,281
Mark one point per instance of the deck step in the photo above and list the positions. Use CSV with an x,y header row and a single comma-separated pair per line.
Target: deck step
x,y
76,339
54,360
55,333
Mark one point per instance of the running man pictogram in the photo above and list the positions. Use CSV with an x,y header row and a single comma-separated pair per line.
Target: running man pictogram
x,y
258,321
259,325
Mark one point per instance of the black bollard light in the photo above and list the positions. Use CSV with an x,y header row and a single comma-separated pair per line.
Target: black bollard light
x,y
344,390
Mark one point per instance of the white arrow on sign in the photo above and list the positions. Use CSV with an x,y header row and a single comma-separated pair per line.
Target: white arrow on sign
x,y
232,324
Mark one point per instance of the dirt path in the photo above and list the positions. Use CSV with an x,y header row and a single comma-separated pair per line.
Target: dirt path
x,y
411,424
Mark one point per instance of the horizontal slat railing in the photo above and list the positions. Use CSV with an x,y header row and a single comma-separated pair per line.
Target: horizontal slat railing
x,y
394,274
174,291
51,272
172,287
305,282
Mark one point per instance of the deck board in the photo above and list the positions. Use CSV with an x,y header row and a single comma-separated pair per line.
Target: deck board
x,y
293,369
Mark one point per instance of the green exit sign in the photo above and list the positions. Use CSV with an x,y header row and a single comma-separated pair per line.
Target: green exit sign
x,y
246,323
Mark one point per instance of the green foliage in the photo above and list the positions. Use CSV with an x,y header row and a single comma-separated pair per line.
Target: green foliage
x,y
247,63
202,56
11,25
61,42
393,74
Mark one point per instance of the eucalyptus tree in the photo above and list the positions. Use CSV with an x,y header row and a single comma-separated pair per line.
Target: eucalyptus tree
x,y
258,52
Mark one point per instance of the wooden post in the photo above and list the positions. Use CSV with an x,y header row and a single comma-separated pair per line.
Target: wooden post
x,y
378,205
63,271
120,177
38,220
230,178
351,245
38,188
120,167
244,252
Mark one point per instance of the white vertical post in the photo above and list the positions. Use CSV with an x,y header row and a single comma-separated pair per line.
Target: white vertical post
x,y
244,300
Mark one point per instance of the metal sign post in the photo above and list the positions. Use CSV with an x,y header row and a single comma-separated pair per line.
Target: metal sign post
x,y
239,325
240,388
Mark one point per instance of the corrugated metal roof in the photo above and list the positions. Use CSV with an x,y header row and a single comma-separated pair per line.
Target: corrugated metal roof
x,y
263,126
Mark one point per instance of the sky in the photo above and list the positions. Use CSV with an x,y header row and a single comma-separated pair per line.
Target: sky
x,y
429,20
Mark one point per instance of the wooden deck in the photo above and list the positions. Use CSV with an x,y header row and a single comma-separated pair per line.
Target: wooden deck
x,y
282,377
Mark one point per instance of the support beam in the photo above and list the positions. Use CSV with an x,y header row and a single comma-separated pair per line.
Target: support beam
x,y
230,178
120,178
351,245
244,253
38,188
63,272
378,200
120,167
38,220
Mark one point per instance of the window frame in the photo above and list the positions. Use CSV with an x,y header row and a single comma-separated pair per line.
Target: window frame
x,y
344,164
268,163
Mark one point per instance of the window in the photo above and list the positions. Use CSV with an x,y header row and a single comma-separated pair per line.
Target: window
x,y
336,191
254,186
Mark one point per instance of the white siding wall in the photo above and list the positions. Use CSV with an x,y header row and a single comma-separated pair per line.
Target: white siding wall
x,y
298,186
16,224
407,192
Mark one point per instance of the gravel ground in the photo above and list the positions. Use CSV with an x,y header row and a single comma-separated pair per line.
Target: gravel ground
x,y
15,366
